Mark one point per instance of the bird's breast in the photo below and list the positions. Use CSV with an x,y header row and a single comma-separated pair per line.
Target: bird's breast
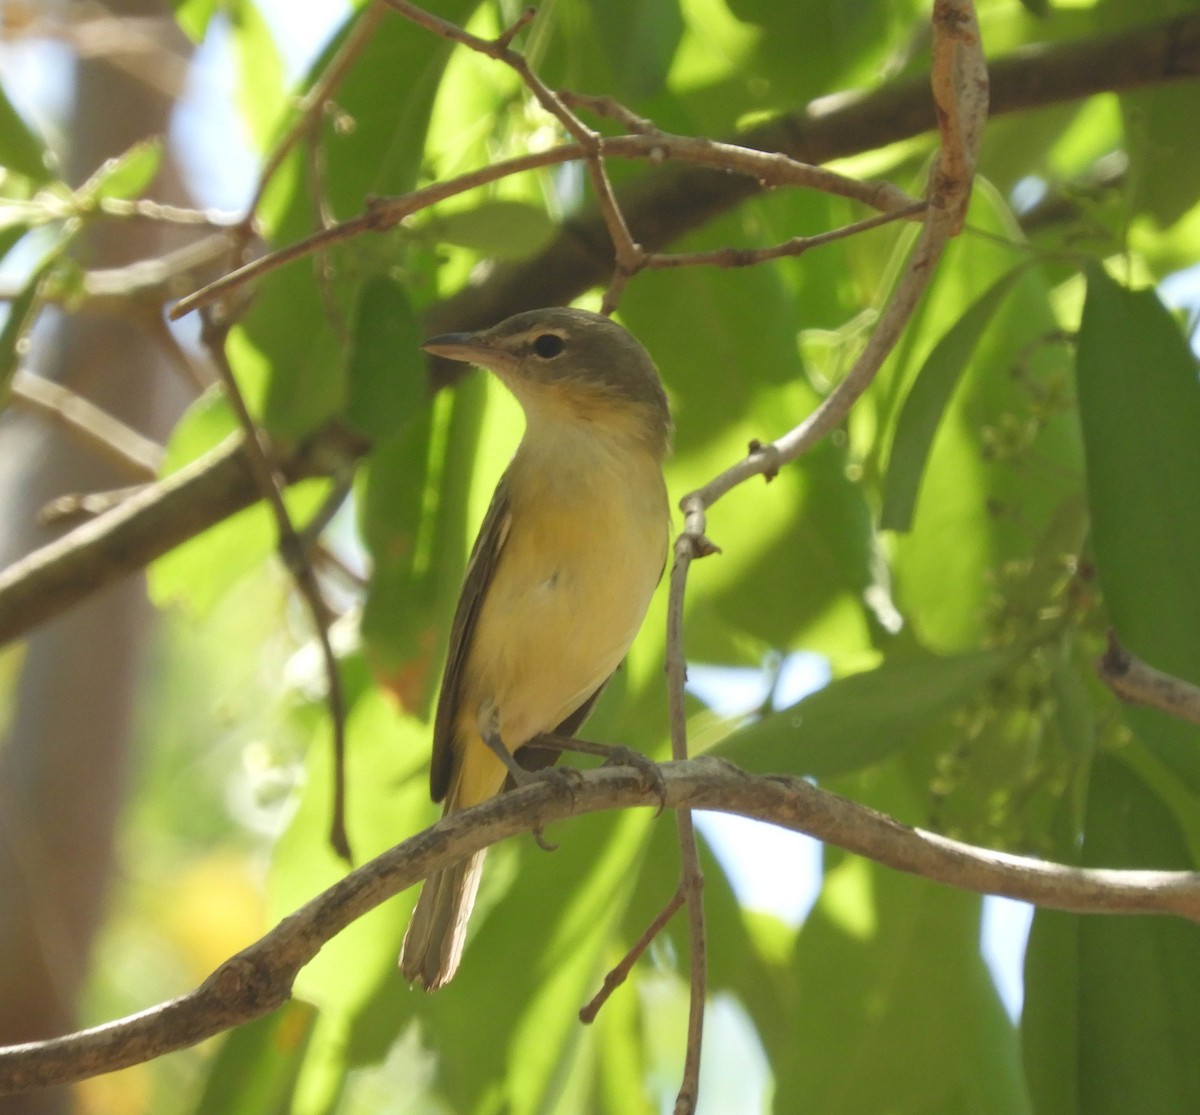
x,y
585,549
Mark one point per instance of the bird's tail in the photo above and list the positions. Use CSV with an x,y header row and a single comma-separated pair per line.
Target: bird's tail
x,y
433,944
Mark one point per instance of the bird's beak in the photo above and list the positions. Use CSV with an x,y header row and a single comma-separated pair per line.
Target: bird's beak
x,y
468,347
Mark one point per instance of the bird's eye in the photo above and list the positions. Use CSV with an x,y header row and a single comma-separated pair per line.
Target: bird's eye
x,y
548,345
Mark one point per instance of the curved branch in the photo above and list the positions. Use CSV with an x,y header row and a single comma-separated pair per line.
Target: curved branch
x,y
664,205
145,526
1133,680
661,206
259,979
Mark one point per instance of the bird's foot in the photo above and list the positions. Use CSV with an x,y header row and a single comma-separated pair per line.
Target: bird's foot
x,y
649,772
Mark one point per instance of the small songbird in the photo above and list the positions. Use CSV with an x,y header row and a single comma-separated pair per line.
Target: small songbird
x,y
559,579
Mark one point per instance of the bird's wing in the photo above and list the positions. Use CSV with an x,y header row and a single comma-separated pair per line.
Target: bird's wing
x,y
485,556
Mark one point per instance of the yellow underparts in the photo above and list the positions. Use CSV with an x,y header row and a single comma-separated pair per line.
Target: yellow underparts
x,y
585,549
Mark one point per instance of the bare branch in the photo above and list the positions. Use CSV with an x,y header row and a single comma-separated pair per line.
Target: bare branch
x,y
119,443
160,517
796,246
662,206
309,111
1132,680
620,972
270,483
260,977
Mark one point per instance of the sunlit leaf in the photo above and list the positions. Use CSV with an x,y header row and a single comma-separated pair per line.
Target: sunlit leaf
x,y
193,16
1139,404
1005,455
497,229
255,1071
927,399
127,175
260,72
859,720
1113,1003
385,378
20,149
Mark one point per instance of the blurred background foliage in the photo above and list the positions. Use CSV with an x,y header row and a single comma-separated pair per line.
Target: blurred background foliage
x,y
1023,475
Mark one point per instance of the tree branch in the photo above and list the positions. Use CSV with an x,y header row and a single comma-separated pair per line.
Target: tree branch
x,y
673,200
122,445
259,979
1133,680
261,457
660,207
158,518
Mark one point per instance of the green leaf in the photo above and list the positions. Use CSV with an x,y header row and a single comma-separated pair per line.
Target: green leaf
x,y
22,312
1113,1003
415,507
193,16
386,382
497,229
255,1070
726,347
20,149
908,1017
260,73
535,956
639,39
381,153
862,719
1006,455
927,399
1165,164
199,573
353,981
126,175
1139,405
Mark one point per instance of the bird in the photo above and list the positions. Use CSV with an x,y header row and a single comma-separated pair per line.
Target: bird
x,y
558,582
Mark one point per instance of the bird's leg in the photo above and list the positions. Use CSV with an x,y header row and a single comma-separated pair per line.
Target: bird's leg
x,y
520,776
497,746
614,755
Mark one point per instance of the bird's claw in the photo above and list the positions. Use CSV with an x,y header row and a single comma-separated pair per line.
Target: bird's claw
x,y
649,772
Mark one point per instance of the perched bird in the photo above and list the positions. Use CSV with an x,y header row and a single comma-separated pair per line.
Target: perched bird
x,y
559,579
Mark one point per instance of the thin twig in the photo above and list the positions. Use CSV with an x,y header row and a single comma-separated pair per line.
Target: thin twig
x,y
692,883
259,979
295,557
163,515
312,105
611,108
619,972
124,446
77,506
1132,680
382,214
629,255
796,246
149,210
691,878
949,191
